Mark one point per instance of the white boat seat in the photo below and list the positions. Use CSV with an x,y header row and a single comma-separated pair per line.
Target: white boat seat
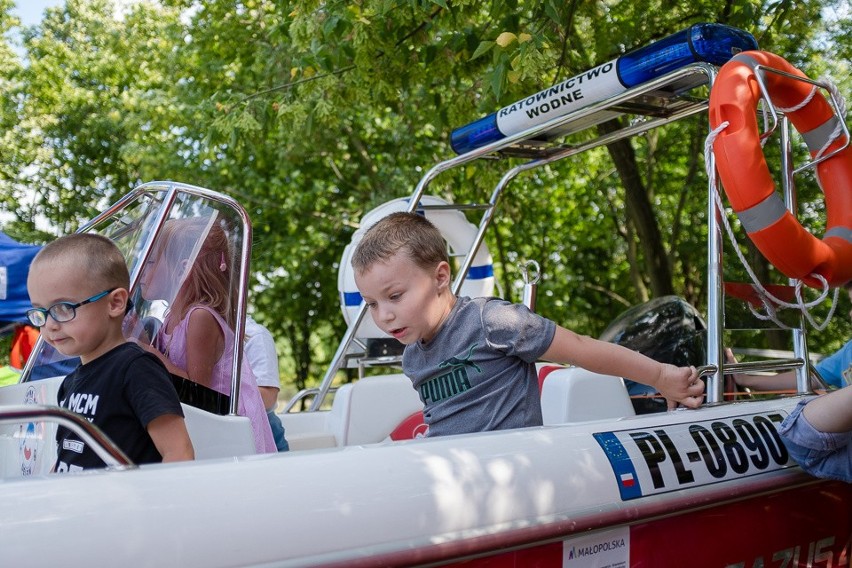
x,y
215,436
308,430
368,410
363,412
573,394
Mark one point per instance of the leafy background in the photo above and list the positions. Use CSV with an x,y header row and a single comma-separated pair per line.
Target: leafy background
x,y
312,113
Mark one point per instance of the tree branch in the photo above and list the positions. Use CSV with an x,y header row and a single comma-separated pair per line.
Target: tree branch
x,y
291,84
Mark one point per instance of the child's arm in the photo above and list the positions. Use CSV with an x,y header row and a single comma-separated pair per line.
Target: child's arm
x,y
173,369
205,344
676,384
785,381
777,382
169,434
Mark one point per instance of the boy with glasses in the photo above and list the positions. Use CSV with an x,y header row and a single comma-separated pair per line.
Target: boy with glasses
x,y
78,287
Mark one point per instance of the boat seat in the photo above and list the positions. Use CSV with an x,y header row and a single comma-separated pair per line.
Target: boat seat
x,y
215,436
544,369
573,394
363,412
368,410
308,430
383,408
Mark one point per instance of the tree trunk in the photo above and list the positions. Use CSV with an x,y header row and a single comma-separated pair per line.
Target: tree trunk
x,y
641,212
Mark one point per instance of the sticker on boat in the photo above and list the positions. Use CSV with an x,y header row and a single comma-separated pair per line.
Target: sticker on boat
x,y
601,548
648,461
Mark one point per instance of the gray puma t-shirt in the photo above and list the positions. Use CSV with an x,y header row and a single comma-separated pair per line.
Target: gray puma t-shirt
x,y
478,373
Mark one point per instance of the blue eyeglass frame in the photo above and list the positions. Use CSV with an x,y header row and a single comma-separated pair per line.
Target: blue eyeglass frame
x,y
73,307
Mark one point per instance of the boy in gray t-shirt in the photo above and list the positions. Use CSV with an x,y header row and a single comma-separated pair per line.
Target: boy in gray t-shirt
x,y
473,360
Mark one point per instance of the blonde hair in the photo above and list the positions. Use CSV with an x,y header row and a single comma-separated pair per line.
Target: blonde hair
x,y
408,233
209,280
97,255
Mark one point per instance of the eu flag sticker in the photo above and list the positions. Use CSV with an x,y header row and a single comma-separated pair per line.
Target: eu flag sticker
x,y
622,465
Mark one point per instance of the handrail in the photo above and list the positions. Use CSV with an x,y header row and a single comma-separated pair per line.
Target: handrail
x,y
799,334
93,436
794,364
757,366
304,393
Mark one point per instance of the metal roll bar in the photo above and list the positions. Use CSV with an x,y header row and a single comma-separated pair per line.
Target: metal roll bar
x,y
105,448
678,82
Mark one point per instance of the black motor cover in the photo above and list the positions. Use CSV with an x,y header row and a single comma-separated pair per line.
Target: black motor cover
x,y
667,329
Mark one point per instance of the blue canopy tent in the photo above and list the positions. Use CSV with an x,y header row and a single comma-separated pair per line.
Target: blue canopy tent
x,y
15,259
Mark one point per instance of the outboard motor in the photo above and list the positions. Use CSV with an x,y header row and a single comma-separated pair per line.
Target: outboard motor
x,y
667,329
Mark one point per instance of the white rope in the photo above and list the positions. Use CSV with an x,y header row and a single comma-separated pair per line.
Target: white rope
x,y
768,300
765,115
802,104
840,100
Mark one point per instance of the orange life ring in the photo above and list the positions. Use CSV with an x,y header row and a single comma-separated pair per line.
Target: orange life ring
x,y
748,183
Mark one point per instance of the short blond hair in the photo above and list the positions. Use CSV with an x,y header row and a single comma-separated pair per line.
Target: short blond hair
x,y
408,233
98,255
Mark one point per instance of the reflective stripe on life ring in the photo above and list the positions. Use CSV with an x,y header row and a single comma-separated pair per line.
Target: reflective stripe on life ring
x,y
456,230
748,182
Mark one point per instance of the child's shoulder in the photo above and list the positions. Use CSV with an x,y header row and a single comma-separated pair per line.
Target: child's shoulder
x,y
203,312
132,359
492,306
119,351
116,362
124,353
482,303
498,313
481,310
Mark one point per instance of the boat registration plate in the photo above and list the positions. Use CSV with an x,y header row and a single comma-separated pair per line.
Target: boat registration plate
x,y
648,461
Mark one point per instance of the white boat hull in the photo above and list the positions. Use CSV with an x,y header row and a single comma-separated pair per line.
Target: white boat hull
x,y
520,492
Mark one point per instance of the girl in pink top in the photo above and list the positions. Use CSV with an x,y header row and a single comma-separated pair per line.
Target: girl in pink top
x,y
197,336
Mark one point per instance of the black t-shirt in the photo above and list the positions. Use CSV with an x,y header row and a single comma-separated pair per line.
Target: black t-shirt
x,y
120,392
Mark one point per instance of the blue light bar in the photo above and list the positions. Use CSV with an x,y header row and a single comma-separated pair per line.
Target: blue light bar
x,y
711,43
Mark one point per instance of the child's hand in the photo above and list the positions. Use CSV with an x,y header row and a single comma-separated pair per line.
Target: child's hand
x,y
157,353
681,385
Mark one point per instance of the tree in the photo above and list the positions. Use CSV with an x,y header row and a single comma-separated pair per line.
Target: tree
x,y
311,114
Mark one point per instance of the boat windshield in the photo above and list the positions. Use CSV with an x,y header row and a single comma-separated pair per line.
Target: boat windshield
x,y
161,237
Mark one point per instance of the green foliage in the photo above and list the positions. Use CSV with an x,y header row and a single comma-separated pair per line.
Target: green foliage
x,y
312,113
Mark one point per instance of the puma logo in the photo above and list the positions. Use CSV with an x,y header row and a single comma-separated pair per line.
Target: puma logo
x,y
466,362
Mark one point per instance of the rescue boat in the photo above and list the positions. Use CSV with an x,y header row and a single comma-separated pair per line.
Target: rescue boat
x,y
597,485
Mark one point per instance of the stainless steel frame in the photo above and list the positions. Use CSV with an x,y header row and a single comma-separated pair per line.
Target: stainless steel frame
x,y
88,432
673,92
675,86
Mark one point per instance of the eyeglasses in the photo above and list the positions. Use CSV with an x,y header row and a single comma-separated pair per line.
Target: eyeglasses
x,y
61,311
